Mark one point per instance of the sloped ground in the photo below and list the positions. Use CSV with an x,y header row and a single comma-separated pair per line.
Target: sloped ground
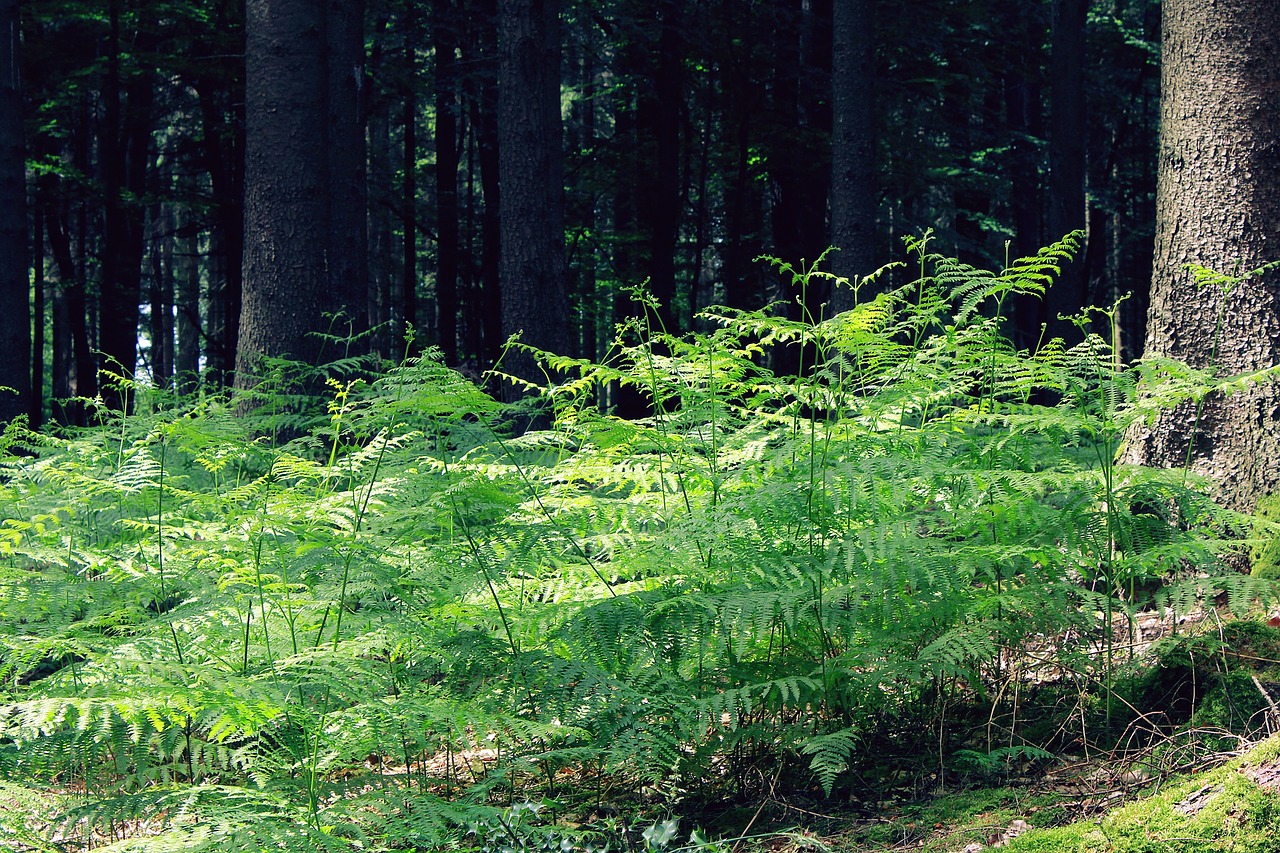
x,y
1234,806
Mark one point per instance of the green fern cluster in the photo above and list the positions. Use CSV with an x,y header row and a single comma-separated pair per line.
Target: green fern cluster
x,y
410,612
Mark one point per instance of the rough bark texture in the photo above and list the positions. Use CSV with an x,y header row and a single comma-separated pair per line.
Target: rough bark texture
x,y
853,194
532,270
1218,204
286,206
15,299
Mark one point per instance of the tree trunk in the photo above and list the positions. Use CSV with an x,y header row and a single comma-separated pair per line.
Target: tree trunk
x,y
381,316
125,158
447,178
532,262
39,290
15,297
379,186
798,147
743,205
1218,204
853,193
1067,124
408,290
347,246
220,95
186,275
286,206
487,302
161,294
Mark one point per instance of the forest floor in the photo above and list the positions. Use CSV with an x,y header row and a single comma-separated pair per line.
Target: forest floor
x,y
1177,792
1095,807
1210,784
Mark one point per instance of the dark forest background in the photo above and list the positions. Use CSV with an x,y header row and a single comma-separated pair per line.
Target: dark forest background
x,y
697,136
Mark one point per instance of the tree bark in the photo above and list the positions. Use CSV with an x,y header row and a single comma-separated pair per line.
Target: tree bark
x,y
186,274
220,95
408,289
853,191
447,212
382,316
532,269
1067,122
286,206
347,246
124,144
486,307
15,297
1218,204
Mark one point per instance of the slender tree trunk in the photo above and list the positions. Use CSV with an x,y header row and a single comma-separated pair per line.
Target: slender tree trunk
x,y
447,213
743,205
853,193
221,99
161,294
38,315
74,372
15,296
409,267
1218,205
347,245
125,155
186,274
799,142
484,123
380,180
1067,124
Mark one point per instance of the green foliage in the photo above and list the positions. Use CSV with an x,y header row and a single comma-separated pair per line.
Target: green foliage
x,y
375,632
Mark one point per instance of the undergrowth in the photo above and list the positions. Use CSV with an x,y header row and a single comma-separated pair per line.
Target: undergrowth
x,y
410,617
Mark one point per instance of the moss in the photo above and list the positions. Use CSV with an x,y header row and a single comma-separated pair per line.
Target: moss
x,y
1206,679
949,822
1265,557
1230,813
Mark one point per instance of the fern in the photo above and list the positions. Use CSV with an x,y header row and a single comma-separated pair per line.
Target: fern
x,y
294,626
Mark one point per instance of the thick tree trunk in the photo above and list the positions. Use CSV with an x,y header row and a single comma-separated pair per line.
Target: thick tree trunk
x,y
286,206
15,297
1218,204
853,193
532,271
1024,123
